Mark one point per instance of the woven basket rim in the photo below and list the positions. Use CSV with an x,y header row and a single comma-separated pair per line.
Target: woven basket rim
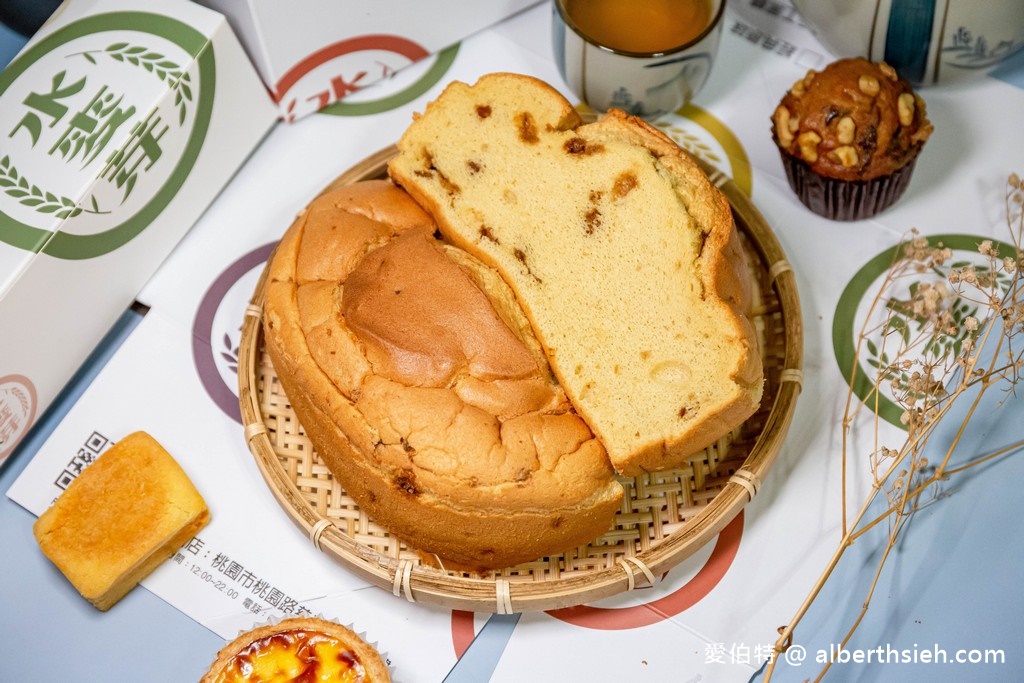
x,y
502,592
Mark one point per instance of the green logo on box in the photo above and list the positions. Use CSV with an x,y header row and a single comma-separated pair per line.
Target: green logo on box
x,y
87,161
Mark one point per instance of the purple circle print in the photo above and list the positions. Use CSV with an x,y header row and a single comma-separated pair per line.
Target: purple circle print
x,y
214,341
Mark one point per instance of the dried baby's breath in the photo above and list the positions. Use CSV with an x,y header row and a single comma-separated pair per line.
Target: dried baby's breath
x,y
959,310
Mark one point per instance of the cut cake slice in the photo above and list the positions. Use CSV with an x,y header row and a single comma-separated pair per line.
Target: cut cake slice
x,y
621,252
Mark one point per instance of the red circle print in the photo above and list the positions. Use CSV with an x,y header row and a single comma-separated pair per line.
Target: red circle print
x,y
683,598
401,46
621,618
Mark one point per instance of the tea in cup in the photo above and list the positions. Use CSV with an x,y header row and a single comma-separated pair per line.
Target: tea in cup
x,y
646,57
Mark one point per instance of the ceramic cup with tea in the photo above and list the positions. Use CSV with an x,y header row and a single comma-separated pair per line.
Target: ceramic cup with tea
x,y
646,57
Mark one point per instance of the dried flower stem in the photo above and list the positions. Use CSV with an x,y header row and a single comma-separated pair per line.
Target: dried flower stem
x,y
931,370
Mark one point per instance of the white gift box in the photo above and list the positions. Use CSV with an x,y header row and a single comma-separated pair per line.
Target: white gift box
x,y
312,53
119,124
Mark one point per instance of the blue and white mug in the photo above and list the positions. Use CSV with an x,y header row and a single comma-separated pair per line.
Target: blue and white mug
x,y
645,84
926,41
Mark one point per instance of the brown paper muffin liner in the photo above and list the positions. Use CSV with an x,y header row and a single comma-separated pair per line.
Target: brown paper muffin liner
x,y
846,200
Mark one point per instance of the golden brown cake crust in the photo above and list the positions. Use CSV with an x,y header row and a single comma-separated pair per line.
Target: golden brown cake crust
x,y
854,120
418,381
310,647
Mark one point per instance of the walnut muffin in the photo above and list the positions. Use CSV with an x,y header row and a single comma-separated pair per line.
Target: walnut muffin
x,y
849,137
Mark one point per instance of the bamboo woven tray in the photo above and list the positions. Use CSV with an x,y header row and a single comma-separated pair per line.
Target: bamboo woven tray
x,y
666,516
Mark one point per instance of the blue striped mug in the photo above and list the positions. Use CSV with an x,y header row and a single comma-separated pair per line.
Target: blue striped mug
x,y
926,41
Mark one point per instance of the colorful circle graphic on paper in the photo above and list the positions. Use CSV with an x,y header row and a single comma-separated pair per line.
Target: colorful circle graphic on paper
x,y
712,141
216,332
442,62
17,411
86,160
636,616
338,70
850,318
668,606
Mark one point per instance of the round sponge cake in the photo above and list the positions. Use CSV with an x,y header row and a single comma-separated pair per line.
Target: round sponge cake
x,y
421,385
